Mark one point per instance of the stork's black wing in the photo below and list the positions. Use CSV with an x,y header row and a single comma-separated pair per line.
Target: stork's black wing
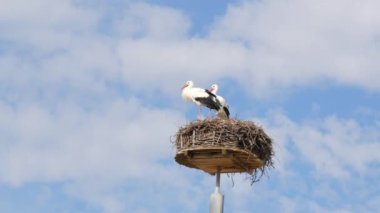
x,y
210,101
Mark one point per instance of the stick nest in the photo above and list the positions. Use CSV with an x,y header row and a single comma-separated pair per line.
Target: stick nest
x,y
231,134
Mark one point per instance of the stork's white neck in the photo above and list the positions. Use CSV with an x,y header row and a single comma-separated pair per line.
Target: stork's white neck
x,y
186,93
214,89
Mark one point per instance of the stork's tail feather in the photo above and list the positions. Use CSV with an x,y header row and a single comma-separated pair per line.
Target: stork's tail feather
x,y
223,113
226,111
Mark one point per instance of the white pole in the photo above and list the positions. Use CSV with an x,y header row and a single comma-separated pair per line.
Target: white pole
x,y
216,199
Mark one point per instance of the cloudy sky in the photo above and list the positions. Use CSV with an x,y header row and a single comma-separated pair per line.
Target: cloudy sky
x,y
90,97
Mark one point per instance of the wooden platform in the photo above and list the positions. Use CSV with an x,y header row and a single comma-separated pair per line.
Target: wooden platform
x,y
209,159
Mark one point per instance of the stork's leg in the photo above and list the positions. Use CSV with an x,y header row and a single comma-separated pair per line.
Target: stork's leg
x,y
200,113
209,114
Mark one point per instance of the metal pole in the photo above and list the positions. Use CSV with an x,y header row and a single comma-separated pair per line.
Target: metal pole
x,y
217,198
217,188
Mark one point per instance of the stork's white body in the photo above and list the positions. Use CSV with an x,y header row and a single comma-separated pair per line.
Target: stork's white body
x,y
221,100
190,94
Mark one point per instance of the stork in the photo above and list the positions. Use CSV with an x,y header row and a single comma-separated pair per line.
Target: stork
x,y
225,113
200,97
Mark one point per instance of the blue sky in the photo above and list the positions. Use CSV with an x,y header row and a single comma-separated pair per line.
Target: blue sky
x,y
90,96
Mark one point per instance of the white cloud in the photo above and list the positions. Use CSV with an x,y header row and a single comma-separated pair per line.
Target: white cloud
x,y
177,62
74,143
149,21
55,11
44,25
304,42
319,165
97,154
335,147
267,45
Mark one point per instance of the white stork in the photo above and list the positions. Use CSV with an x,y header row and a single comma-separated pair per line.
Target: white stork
x,y
200,97
225,113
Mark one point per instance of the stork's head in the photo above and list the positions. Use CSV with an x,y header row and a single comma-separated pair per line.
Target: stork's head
x,y
188,84
214,88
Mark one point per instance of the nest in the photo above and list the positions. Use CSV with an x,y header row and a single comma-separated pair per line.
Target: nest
x,y
228,146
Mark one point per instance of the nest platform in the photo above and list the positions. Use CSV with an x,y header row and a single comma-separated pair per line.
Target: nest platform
x,y
230,146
